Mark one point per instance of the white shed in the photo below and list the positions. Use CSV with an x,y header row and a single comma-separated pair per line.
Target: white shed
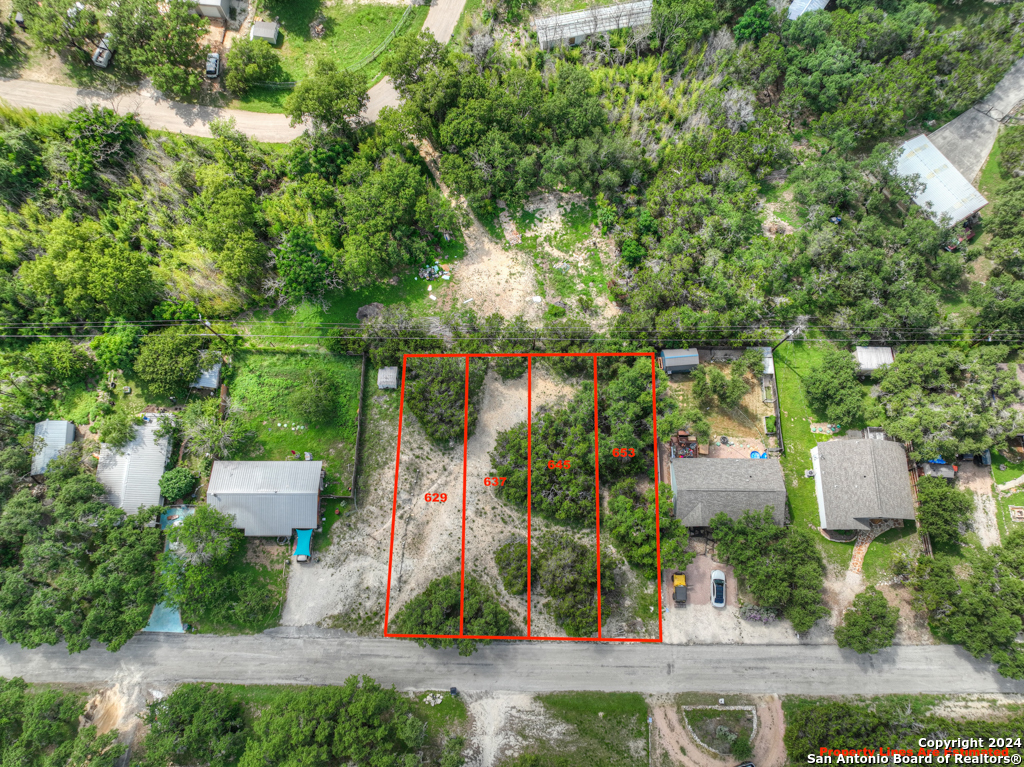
x,y
53,437
387,378
870,358
214,9
264,30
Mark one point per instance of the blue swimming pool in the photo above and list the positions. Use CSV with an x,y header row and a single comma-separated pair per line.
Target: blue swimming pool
x,y
166,618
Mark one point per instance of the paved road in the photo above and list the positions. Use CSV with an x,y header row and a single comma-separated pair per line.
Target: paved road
x,y
315,656
162,114
967,140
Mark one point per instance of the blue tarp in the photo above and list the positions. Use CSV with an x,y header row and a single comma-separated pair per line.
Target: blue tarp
x,y
302,541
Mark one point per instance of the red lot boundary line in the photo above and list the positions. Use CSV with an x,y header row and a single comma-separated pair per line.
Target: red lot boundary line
x,y
529,452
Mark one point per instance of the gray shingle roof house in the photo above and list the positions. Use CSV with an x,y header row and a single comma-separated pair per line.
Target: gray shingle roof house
x,y
704,487
575,27
55,436
679,360
264,30
857,480
132,473
267,498
387,378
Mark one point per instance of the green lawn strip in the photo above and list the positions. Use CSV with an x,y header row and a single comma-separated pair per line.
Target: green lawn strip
x,y
441,718
793,360
571,280
882,548
1013,463
603,724
468,10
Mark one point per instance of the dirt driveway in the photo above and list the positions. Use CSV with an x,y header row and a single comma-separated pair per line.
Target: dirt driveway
x,y
672,744
698,581
978,479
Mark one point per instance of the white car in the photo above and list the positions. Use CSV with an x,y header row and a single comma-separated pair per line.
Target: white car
x,y
103,54
718,589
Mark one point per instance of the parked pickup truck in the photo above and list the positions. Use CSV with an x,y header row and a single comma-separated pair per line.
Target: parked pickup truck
x,y
679,589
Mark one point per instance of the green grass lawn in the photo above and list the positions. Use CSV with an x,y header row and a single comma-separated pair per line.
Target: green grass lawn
x,y
1003,504
881,550
266,386
1014,467
793,361
274,577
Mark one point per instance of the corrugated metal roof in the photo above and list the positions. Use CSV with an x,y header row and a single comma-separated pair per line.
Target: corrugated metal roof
x,y
592,21
267,498
209,376
387,378
680,356
857,480
56,435
871,358
768,359
705,487
946,192
800,7
132,474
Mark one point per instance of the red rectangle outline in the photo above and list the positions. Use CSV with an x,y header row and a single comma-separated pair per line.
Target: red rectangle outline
x,y
657,512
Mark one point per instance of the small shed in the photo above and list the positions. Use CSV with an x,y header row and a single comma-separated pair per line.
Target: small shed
x,y
214,9
575,27
209,375
870,358
679,360
387,378
799,7
264,30
54,436
946,192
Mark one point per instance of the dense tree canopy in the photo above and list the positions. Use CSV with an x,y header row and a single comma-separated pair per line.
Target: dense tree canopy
x,y
869,624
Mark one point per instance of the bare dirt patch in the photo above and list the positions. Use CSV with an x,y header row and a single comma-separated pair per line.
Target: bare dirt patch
x,y
119,707
912,628
978,479
502,724
744,424
492,279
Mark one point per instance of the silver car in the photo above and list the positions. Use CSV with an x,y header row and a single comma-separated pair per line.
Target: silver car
x,y
213,66
718,589
104,53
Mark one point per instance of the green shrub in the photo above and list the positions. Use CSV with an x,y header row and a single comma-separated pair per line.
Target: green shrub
x,y
177,483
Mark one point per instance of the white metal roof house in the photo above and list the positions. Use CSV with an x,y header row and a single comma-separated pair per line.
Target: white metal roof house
x,y
387,378
799,7
132,473
870,358
679,360
947,192
214,9
858,480
264,30
575,27
267,498
54,437
209,376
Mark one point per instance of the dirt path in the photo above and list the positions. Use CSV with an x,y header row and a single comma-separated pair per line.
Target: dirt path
x,y
978,479
672,744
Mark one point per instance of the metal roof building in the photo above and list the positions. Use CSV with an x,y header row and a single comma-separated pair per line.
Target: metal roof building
x,y
214,9
573,28
679,360
800,7
209,376
947,192
857,480
870,358
132,473
705,487
387,378
264,30
267,498
55,436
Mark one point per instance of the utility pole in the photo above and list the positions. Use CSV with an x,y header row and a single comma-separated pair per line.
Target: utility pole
x,y
790,332
207,323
